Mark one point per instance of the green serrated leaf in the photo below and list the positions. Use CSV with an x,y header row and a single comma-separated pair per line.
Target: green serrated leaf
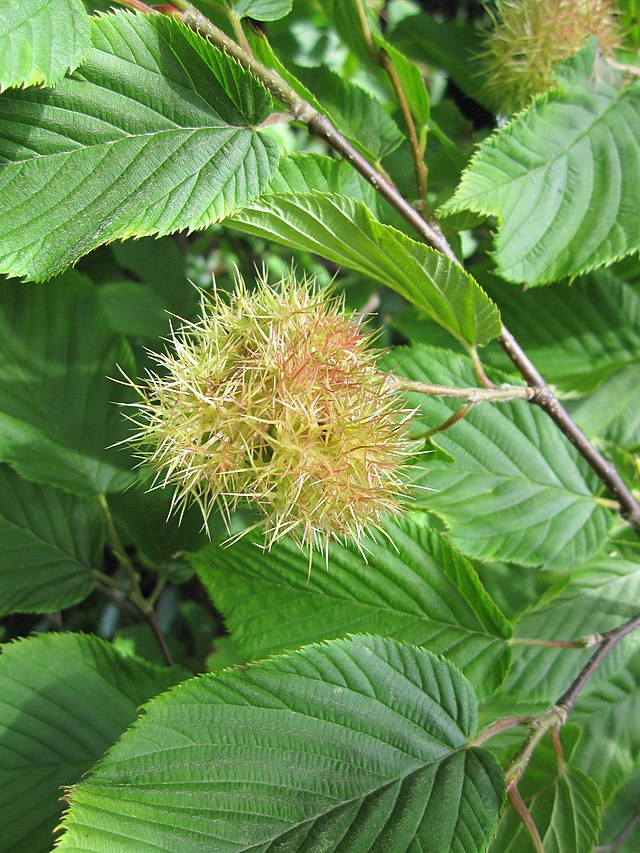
x,y
517,491
561,176
260,10
300,753
41,40
50,544
418,589
156,133
57,413
564,802
64,698
344,231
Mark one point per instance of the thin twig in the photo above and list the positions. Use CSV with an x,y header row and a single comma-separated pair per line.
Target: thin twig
x,y
458,415
499,726
162,643
472,395
419,165
524,814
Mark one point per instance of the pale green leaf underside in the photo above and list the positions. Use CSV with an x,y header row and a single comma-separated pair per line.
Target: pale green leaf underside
x,y
50,544
517,489
64,699
424,592
561,177
343,231
357,744
155,133
57,412
41,40
261,10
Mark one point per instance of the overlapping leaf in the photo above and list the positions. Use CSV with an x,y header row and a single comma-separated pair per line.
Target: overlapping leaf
x,y
343,231
64,699
516,489
419,589
358,744
562,176
57,415
41,40
155,133
50,544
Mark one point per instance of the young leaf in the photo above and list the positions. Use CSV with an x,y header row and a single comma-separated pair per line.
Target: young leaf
x,y
50,543
421,591
155,133
57,416
343,231
260,10
41,40
564,802
517,490
64,698
358,744
561,176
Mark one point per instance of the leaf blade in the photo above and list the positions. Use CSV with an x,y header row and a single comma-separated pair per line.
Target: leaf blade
x,y
41,40
64,698
419,590
382,756
568,205
88,168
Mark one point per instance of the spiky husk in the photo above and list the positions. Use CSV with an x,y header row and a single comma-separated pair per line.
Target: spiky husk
x,y
274,400
529,37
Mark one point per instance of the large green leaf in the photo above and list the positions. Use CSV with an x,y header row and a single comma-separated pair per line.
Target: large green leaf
x,y
261,10
517,490
564,803
358,744
57,416
417,589
41,40
155,133
64,699
562,176
50,544
344,231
